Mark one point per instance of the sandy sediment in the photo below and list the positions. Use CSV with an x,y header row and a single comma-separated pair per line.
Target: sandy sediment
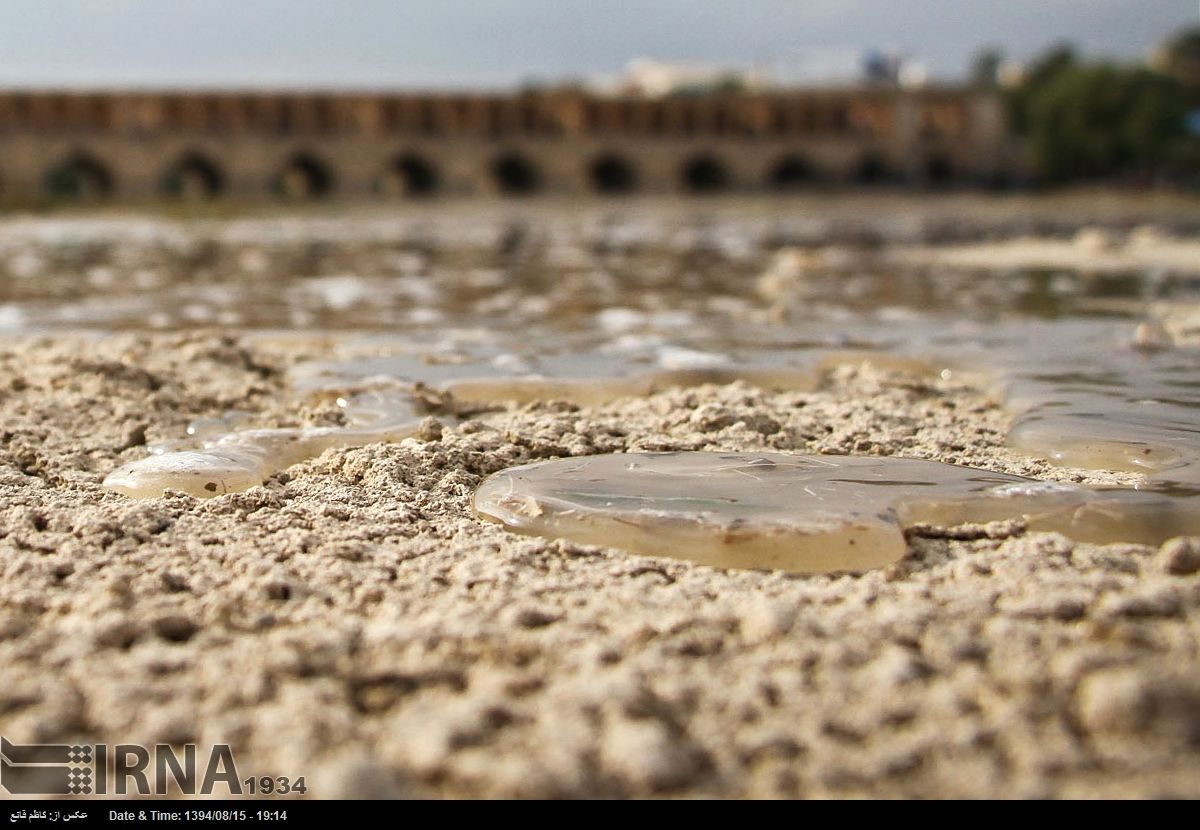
x,y
1090,251
350,621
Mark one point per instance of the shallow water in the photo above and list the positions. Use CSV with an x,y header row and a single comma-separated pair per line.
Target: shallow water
x,y
800,513
1085,340
1119,407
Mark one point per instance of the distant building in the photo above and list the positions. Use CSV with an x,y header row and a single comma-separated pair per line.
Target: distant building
x,y
1179,57
654,79
881,67
892,68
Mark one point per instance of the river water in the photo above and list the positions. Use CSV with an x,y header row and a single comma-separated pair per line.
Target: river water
x,y
1088,335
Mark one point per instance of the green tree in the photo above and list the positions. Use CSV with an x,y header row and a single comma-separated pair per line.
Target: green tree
x,y
1180,58
1038,75
1098,119
1102,119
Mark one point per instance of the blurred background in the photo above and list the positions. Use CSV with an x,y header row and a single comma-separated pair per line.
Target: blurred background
x,y
407,166
137,101
219,217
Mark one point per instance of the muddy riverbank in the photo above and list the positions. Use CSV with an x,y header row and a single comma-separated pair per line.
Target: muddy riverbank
x,y
351,621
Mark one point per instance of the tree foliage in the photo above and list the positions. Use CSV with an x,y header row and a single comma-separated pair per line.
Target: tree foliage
x,y
1180,59
1085,120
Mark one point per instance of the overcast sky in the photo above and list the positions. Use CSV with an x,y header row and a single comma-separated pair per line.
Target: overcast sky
x,y
446,43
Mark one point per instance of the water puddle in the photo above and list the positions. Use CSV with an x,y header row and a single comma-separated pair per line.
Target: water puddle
x,y
216,461
470,378
1088,339
1118,408
800,513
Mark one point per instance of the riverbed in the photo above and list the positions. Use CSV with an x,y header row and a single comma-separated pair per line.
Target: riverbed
x,y
343,611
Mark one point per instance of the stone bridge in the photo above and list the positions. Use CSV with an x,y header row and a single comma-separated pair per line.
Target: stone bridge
x,y
252,145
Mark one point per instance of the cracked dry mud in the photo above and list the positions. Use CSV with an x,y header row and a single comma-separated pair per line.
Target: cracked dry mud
x,y
351,621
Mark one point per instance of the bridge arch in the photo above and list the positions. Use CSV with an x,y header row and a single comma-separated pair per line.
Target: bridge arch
x,y
303,176
872,169
514,175
410,174
612,174
704,173
791,172
80,176
938,171
194,177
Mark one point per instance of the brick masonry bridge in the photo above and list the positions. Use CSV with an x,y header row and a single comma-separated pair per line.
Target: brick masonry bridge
x,y
145,146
